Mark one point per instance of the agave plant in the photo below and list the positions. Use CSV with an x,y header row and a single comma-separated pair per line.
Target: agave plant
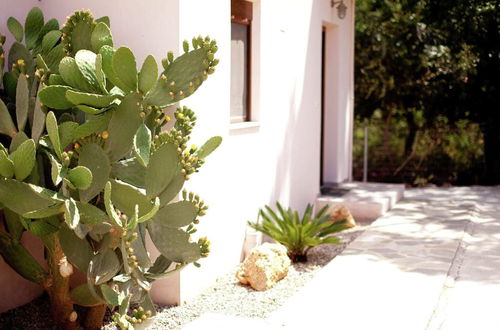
x,y
89,166
298,234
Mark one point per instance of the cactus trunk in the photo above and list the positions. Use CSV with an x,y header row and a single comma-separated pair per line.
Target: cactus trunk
x,y
58,287
95,316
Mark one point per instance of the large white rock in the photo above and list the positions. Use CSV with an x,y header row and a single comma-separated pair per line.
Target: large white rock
x,y
264,266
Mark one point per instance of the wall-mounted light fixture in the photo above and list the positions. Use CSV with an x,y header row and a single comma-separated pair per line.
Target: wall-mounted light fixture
x,y
341,7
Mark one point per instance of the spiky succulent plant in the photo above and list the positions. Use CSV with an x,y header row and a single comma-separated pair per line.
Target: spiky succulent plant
x,y
89,167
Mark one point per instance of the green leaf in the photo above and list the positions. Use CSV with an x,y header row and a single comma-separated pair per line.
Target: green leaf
x,y
96,160
101,36
53,131
85,60
78,251
126,69
161,169
81,295
80,177
33,25
148,74
73,76
24,159
6,124
22,101
110,295
142,144
55,97
94,100
177,214
71,214
15,28
208,147
6,165
122,127
50,40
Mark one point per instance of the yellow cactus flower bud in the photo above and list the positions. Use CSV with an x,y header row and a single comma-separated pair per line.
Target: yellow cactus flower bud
x,y
105,135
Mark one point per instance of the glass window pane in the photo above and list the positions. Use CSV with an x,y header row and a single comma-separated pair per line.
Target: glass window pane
x,y
239,65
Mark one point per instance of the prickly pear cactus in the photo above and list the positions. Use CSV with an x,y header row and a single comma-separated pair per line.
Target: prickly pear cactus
x,y
87,164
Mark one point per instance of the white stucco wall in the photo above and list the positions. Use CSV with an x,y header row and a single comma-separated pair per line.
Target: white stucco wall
x,y
278,156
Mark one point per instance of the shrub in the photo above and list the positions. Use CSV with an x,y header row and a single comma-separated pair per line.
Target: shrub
x,y
298,234
89,167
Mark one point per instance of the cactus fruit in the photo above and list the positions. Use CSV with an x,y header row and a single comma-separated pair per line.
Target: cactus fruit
x,y
90,167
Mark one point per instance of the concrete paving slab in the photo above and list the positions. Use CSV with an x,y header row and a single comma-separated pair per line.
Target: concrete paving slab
x,y
209,321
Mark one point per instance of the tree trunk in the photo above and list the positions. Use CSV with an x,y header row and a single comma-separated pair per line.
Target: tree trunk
x,y
95,317
412,134
58,287
492,151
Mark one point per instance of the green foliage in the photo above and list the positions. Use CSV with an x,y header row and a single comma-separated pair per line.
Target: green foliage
x,y
298,234
100,170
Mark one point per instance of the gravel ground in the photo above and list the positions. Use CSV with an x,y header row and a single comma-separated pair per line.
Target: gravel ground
x,y
226,296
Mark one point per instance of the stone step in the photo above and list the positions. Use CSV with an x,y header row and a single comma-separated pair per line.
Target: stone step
x,y
366,201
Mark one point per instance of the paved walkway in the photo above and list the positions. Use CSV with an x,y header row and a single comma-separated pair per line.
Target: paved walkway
x,y
433,262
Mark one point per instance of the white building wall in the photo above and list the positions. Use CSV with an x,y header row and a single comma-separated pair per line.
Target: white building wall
x,y
277,157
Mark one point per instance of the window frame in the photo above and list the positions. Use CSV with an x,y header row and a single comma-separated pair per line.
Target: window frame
x,y
242,13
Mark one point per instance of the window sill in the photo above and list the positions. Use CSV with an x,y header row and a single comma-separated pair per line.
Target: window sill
x,y
244,127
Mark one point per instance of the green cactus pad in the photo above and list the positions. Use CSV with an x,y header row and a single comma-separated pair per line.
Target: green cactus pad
x,y
173,243
78,251
122,127
142,144
15,28
73,76
33,25
101,36
94,100
183,76
53,131
110,295
71,214
80,177
103,266
6,124
78,32
38,120
125,67
66,133
13,222
208,147
56,173
159,268
54,57
126,196
23,198
177,214
92,125
24,159
46,212
41,228
96,160
22,101
148,74
173,188
91,215
161,169
19,258
6,165
56,79
85,60
16,141
107,53
54,97
130,171
19,52
50,40
139,246
81,295
101,78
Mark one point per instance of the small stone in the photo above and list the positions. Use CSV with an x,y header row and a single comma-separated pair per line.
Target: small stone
x,y
265,265
341,212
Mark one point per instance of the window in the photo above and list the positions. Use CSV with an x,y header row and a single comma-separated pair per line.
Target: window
x,y
241,37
